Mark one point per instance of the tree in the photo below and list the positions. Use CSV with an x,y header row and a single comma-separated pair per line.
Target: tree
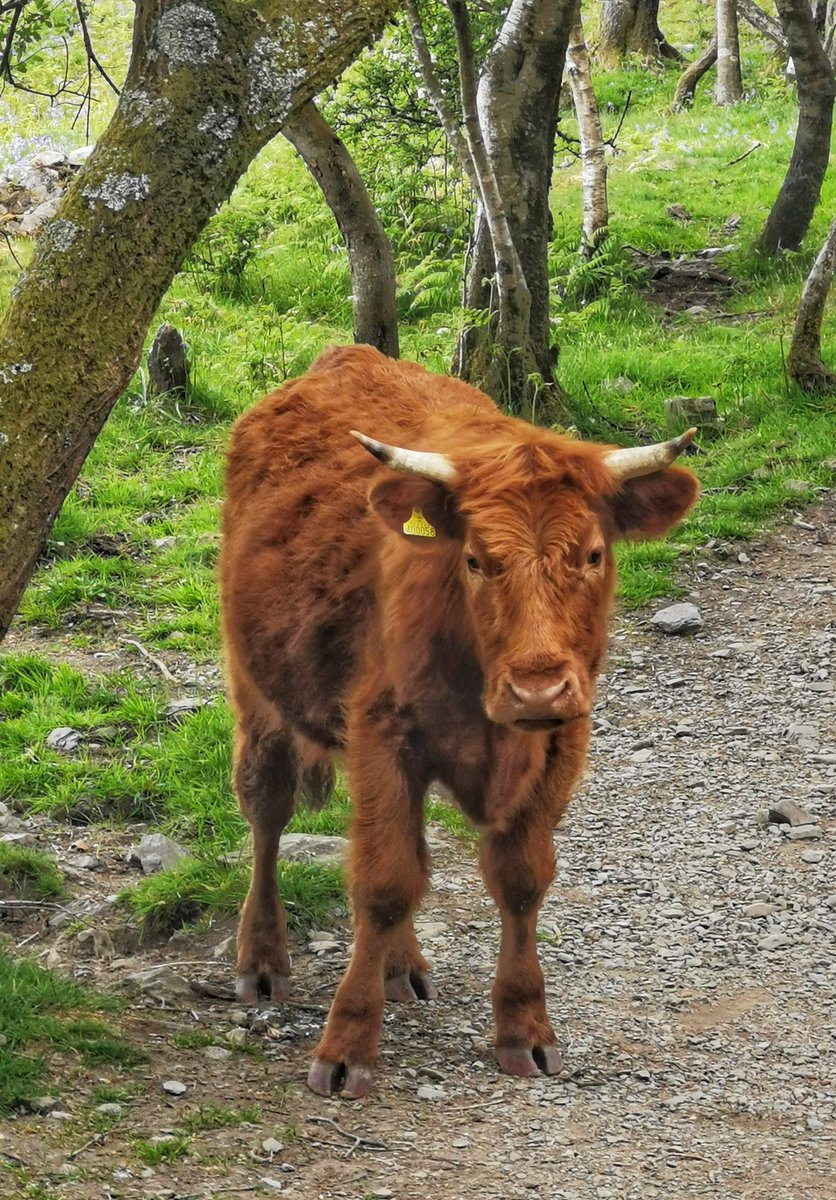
x,y
693,73
804,361
506,147
208,85
632,26
729,85
829,32
593,163
795,204
371,262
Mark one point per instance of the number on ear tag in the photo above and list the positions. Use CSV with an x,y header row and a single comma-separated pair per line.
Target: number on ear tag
x,y
418,525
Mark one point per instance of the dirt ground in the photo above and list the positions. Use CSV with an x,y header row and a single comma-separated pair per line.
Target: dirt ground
x,y
688,946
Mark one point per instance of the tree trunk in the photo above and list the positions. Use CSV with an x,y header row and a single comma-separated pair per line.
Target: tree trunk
x,y
693,73
631,26
793,209
830,32
371,262
593,164
208,85
766,25
517,107
729,84
804,359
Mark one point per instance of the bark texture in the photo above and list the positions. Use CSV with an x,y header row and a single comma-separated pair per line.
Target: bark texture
x,y
687,83
631,26
371,262
517,110
596,214
209,83
728,88
795,204
765,24
830,32
804,361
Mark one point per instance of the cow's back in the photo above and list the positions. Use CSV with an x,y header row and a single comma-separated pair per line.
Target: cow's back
x,y
300,544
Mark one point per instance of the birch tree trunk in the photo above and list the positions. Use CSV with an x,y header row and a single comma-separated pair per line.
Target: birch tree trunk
x,y
804,361
795,204
631,27
729,84
209,83
517,111
371,262
765,24
596,214
830,32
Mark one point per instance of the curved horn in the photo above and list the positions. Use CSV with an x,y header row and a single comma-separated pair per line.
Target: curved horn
x,y
415,462
643,460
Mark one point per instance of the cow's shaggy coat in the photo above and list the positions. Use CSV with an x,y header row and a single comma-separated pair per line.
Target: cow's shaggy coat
x,y
423,631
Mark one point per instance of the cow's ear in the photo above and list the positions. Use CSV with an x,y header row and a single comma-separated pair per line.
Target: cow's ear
x,y
416,508
648,506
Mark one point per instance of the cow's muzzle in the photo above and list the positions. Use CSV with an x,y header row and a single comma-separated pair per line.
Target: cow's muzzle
x,y
539,701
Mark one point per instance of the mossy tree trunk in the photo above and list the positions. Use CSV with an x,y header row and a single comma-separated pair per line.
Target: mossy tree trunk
x,y
517,107
790,217
687,83
209,83
804,361
631,27
728,88
371,262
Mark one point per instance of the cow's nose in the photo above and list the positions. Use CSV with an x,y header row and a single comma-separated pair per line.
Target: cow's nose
x,y
539,697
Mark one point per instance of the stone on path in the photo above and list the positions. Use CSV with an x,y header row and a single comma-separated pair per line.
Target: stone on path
x,y
311,847
678,618
787,812
156,852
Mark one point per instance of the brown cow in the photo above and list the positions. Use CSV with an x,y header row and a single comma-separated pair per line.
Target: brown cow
x,y
438,617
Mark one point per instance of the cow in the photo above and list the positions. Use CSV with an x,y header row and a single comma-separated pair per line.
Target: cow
x,y
418,585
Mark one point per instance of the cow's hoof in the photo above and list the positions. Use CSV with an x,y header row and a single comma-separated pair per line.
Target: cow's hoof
x,y
251,985
415,985
328,1078
518,1060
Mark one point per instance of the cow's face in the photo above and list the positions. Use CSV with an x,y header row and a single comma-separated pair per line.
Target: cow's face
x,y
531,535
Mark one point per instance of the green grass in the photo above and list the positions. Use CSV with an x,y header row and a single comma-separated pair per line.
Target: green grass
x,y
216,1116
45,1019
266,288
28,874
167,1149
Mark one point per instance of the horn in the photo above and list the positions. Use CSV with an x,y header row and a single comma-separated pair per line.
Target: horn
x,y
644,460
415,462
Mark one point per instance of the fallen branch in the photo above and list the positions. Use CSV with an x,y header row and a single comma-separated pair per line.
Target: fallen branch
x,y
755,146
157,662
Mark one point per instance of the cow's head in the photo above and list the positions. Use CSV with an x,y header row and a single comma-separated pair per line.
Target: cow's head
x,y
530,526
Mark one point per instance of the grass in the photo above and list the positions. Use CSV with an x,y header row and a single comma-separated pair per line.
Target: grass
x,y
266,288
28,874
46,1018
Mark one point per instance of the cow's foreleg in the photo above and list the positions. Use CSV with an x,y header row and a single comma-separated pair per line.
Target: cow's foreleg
x,y
518,866
389,865
407,972
265,782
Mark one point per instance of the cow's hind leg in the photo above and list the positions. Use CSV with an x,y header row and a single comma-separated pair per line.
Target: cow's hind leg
x,y
407,973
518,865
265,778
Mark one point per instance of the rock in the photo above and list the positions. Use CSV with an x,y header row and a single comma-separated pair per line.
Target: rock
x,y
48,158
237,1038
225,949
60,1114
96,942
681,412
174,1087
162,983
80,155
787,812
168,368
178,709
110,1110
697,310
44,1104
217,1053
155,851
774,941
428,1091
32,222
9,823
759,909
812,856
621,384
678,618
272,1146
83,862
312,847
803,833
63,739
678,211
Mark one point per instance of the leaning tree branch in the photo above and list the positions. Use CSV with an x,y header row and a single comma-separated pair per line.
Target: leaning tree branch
x,y
693,73
765,24
88,47
804,361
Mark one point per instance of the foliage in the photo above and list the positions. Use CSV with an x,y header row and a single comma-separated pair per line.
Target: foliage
x,y
42,1016
28,874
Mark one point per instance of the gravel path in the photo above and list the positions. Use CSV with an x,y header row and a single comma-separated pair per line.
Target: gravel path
x,y
688,946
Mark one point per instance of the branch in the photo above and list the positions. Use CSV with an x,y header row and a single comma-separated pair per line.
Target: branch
x,y
88,47
763,22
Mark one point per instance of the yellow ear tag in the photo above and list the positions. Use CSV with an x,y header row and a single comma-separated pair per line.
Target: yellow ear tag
x,y
418,525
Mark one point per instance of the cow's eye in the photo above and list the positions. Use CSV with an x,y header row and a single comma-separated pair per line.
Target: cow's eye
x,y
473,565
595,558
